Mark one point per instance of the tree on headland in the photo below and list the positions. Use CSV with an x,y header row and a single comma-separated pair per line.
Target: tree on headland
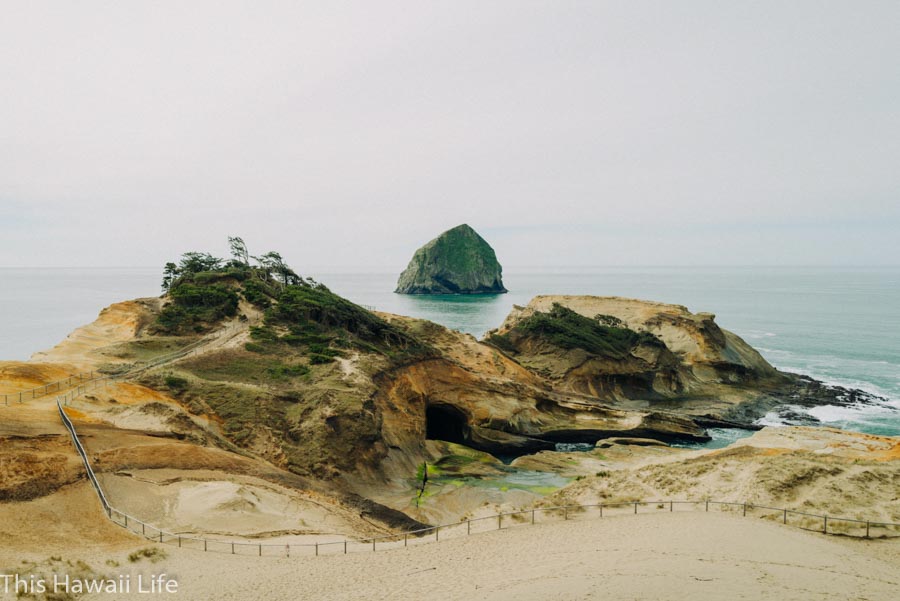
x,y
274,265
191,263
239,250
203,290
194,262
170,274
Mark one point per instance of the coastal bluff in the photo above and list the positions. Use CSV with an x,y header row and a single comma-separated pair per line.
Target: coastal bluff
x,y
459,261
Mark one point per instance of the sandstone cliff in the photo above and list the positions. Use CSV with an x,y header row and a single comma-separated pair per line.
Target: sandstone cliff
x,y
618,349
459,261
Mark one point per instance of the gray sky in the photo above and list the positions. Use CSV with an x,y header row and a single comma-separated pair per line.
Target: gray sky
x,y
345,135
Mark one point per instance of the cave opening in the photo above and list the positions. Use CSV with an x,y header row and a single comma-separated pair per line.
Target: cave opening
x,y
443,422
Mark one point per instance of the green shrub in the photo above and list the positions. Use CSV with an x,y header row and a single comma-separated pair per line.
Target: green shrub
x,y
263,334
176,383
609,320
567,329
255,348
256,293
321,349
317,359
502,342
279,372
194,306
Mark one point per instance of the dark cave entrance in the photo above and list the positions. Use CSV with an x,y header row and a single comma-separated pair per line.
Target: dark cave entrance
x,y
443,422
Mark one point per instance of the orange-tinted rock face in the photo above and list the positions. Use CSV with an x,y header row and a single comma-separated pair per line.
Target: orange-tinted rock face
x,y
118,322
20,375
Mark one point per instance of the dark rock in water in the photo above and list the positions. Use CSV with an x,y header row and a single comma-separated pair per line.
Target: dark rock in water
x,y
459,261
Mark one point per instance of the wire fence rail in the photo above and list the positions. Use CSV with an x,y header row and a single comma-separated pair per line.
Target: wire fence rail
x,y
21,396
82,382
809,521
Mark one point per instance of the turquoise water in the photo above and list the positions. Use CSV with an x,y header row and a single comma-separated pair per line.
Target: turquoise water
x,y
721,438
839,325
512,479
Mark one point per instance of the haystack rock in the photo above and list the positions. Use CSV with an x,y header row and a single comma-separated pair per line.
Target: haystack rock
x,y
459,261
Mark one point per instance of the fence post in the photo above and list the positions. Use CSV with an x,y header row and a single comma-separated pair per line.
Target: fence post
x,y
160,536
317,549
745,510
260,550
232,548
671,506
179,542
707,506
405,540
825,529
532,516
635,508
287,551
867,528
437,534
499,521
601,510
204,547
785,516
373,545
565,512
468,526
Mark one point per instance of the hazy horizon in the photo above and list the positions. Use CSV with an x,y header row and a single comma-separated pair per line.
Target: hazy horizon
x,y
346,136
376,269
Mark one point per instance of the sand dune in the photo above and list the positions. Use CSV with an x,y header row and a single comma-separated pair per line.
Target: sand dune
x,y
693,556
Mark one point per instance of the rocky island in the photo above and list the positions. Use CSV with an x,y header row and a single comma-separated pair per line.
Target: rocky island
x,y
459,261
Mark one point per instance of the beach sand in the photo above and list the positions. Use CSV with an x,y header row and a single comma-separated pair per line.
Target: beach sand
x,y
681,555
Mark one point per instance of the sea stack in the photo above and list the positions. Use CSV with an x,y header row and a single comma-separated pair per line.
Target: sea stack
x,y
459,261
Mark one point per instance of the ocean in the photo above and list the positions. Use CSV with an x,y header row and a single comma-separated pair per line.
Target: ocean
x,y
838,325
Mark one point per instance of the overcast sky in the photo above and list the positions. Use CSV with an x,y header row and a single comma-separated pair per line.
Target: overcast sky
x,y
345,135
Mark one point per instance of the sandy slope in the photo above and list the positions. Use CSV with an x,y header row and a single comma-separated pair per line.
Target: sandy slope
x,y
692,556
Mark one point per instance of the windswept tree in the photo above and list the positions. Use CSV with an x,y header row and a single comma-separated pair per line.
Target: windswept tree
x,y
239,250
194,262
170,274
191,263
274,265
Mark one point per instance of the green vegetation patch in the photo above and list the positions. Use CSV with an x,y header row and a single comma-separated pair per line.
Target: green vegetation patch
x,y
147,349
175,383
242,366
195,307
567,329
320,320
203,290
